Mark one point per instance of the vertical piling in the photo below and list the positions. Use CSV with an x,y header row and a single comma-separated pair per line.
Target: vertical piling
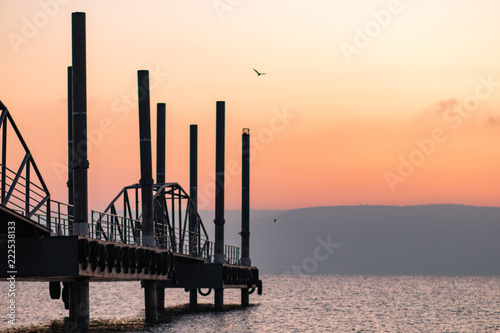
x,y
193,193
70,144
70,180
245,208
160,142
219,196
80,164
160,178
146,159
146,186
77,79
81,304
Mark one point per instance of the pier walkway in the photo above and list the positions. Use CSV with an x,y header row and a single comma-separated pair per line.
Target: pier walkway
x,y
150,232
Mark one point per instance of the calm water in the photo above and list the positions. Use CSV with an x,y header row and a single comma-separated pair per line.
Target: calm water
x,y
325,303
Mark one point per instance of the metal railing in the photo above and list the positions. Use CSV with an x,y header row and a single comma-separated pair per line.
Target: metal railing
x,y
61,218
231,254
18,191
24,196
165,242
33,202
115,228
178,226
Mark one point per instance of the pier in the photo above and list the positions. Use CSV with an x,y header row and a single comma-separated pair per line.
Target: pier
x,y
150,232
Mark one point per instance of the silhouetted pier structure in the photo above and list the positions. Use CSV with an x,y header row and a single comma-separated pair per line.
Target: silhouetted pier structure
x,y
151,231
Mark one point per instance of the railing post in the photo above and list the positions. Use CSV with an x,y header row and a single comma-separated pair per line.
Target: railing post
x,y
181,237
27,194
58,221
174,240
48,212
92,233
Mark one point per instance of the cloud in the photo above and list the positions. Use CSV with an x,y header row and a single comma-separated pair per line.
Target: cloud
x,y
493,120
439,108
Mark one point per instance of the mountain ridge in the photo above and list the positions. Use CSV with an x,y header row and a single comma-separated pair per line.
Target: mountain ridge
x,y
437,239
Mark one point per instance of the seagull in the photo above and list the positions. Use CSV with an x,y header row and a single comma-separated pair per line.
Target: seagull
x,y
258,74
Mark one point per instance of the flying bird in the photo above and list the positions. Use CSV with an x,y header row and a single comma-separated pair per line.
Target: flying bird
x,y
258,74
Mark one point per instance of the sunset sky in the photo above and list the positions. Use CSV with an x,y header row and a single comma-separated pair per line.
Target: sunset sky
x,y
365,102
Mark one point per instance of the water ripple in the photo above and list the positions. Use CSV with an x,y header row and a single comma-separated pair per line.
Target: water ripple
x,y
323,303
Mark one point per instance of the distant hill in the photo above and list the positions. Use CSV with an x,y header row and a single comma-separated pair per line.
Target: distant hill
x,y
409,240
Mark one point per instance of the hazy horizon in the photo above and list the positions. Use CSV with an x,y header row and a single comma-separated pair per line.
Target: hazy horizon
x,y
379,240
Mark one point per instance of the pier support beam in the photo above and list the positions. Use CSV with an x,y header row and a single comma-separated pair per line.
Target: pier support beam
x,y
148,235
193,193
219,299
245,297
150,297
81,304
245,208
219,195
160,299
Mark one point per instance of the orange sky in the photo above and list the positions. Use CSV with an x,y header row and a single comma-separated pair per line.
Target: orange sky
x,y
364,103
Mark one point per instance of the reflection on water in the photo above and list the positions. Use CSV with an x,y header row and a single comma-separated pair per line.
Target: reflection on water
x,y
326,303
165,319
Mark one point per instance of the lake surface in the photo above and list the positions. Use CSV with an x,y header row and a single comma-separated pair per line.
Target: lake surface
x,y
290,303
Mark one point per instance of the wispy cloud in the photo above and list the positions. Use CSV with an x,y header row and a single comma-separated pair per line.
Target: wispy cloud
x,y
493,120
439,108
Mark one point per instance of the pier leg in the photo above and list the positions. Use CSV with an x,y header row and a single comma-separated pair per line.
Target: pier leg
x,y
150,300
193,297
71,300
245,297
160,299
81,304
219,299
